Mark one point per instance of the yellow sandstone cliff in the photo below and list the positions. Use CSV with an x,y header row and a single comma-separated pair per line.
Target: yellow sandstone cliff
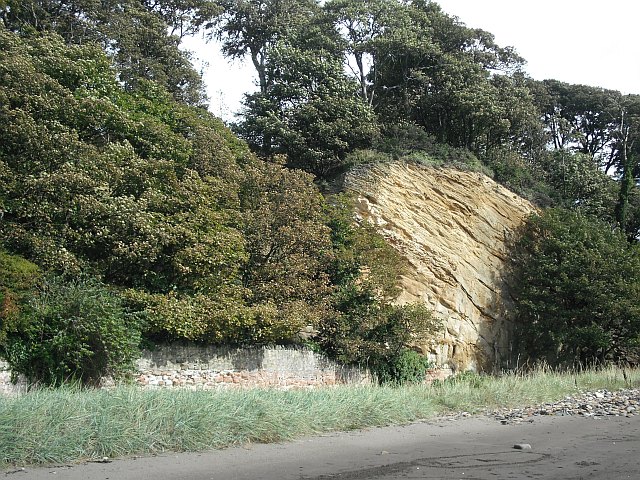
x,y
452,227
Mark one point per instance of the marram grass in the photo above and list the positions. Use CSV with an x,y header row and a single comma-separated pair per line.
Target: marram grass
x,y
67,425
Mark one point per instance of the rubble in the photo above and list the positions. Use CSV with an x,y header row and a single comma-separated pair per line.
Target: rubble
x,y
595,404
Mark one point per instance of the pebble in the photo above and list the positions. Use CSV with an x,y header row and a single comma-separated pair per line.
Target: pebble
x,y
522,446
600,403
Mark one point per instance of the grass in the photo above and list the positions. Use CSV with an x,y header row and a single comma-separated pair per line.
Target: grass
x,y
67,425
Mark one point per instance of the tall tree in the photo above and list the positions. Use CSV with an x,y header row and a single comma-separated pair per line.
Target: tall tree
x,y
254,27
311,113
361,23
142,36
579,118
454,81
627,138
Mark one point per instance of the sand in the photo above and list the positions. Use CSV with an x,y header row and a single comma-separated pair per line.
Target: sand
x,y
562,447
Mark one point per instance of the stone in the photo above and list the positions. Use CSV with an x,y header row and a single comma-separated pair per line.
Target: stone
x,y
453,228
522,446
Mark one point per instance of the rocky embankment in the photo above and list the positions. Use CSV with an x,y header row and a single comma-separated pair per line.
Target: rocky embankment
x,y
453,227
600,403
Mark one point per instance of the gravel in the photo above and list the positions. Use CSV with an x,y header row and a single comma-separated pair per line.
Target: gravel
x,y
599,403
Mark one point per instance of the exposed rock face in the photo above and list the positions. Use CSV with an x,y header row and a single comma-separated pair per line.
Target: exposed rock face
x,y
452,227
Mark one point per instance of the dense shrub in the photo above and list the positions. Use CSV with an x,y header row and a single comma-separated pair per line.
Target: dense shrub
x,y
577,289
407,366
519,175
18,278
74,330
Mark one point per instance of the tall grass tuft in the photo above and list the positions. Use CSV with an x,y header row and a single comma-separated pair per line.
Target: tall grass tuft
x,y
66,425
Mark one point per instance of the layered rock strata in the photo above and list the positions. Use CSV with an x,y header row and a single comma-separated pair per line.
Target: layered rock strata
x,y
453,227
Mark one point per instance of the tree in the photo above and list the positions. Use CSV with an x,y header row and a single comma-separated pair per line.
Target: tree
x,y
250,27
142,37
576,183
306,107
578,117
311,113
577,290
626,137
361,24
454,81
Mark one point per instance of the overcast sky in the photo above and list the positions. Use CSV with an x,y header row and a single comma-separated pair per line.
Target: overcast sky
x,y
593,42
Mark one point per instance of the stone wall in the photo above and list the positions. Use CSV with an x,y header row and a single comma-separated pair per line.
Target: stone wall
x,y
214,367
203,368
209,368
6,387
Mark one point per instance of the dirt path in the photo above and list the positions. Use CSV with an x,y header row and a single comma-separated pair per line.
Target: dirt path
x,y
567,447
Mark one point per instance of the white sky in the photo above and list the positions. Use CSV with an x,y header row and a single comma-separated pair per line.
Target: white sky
x,y
591,42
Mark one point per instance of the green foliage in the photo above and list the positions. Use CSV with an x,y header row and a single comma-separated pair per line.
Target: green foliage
x,y
366,328
74,330
603,125
134,186
577,183
577,290
453,81
580,118
311,112
18,279
411,143
288,245
556,179
142,38
520,175
407,366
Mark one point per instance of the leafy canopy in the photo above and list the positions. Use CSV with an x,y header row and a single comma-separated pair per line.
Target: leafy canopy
x,y
577,289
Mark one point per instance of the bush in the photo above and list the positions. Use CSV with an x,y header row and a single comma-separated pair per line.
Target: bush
x,y
412,143
407,366
519,175
74,331
577,290
17,279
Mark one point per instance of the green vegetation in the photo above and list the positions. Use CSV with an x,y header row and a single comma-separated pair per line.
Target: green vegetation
x,y
576,284
188,235
34,428
114,177
75,331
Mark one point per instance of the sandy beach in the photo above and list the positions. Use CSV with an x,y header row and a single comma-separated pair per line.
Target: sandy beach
x,y
562,447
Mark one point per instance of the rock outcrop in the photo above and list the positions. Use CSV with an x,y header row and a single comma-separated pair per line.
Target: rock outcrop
x,y
452,226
